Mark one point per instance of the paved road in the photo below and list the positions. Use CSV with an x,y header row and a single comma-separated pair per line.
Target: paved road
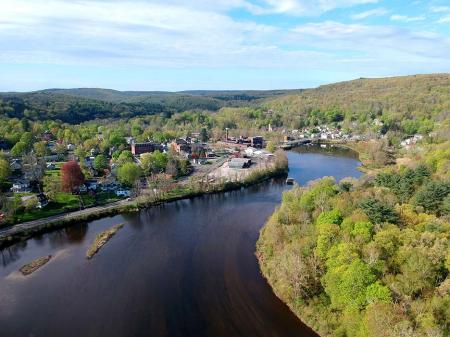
x,y
5,232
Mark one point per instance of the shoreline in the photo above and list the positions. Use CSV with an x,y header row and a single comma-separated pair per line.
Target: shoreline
x,y
25,231
303,311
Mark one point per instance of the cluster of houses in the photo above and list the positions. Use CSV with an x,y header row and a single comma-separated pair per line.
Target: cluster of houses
x,y
255,142
411,141
190,147
186,146
323,132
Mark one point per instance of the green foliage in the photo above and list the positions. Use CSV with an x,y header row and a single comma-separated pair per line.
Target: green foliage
x,y
177,167
362,230
378,211
405,183
100,162
327,236
271,146
357,103
331,217
19,149
129,173
79,105
376,292
40,148
125,157
204,135
383,268
418,272
347,284
4,170
431,196
155,162
319,194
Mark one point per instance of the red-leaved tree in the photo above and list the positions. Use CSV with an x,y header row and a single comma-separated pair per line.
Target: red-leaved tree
x,y
71,176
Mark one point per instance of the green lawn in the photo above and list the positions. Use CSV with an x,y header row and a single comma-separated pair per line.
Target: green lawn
x,y
65,202
56,171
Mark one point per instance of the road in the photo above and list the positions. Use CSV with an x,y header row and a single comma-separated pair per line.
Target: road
x,y
15,229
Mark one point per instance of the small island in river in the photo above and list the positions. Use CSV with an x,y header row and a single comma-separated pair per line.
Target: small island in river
x,y
34,265
101,239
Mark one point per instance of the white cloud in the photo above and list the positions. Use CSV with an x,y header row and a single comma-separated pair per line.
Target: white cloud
x,y
369,13
405,18
201,34
444,19
303,7
133,30
386,43
440,9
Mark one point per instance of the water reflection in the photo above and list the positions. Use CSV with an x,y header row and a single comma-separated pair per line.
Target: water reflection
x,y
185,268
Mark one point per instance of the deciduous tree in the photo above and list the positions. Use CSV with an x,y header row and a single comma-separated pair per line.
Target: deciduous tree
x,y
71,176
128,173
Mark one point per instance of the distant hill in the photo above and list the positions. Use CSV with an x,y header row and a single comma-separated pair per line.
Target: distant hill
x,y
79,105
418,96
110,95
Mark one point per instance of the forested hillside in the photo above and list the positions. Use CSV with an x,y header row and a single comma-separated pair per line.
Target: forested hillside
x,y
110,95
394,101
79,105
367,258
402,104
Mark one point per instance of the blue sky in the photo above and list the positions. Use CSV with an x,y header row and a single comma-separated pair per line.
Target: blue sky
x,y
217,44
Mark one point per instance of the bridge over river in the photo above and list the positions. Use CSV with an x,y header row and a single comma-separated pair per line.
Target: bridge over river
x,y
296,142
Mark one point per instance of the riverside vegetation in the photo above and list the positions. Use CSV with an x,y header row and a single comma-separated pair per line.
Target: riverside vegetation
x,y
41,126
368,257
34,265
101,239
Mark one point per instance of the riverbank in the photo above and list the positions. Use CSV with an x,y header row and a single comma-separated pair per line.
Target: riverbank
x,y
372,154
323,252
27,230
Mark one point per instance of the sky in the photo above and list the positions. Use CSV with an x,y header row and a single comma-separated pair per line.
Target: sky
x,y
217,44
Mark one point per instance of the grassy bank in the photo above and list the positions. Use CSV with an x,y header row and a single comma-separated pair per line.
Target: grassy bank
x,y
24,234
64,203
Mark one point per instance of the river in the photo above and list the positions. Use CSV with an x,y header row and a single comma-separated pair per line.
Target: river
x,y
186,268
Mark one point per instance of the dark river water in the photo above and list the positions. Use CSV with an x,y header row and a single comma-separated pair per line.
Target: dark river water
x,y
182,269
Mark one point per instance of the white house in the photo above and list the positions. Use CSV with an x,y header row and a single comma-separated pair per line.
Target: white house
x,y
123,193
20,186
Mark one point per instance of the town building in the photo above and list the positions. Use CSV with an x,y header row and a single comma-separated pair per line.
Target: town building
x,y
257,142
181,145
20,186
140,148
123,193
239,163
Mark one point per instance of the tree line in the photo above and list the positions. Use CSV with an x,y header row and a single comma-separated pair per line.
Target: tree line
x,y
368,257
